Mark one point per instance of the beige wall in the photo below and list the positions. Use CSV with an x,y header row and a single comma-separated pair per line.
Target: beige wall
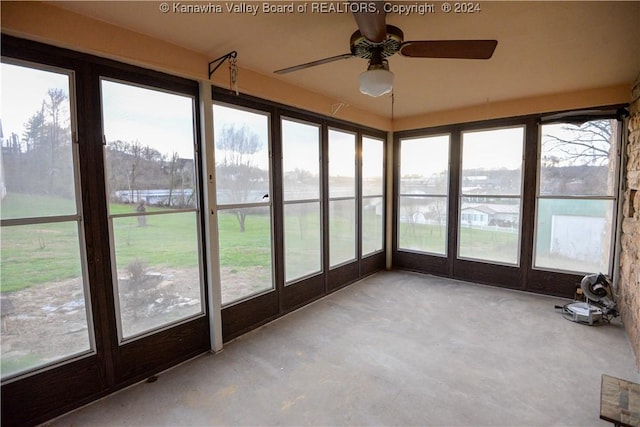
x,y
53,25
629,287
520,107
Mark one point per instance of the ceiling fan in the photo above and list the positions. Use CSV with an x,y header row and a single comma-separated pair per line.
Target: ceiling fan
x,y
375,41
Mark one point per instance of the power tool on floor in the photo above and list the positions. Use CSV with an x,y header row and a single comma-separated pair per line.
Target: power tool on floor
x,y
599,305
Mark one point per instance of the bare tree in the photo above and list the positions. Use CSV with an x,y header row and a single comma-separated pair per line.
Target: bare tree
x,y
124,159
58,133
173,167
586,152
236,172
55,108
588,143
135,151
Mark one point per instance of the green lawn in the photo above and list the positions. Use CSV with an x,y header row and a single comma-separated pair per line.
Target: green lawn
x,y
244,249
500,245
34,254
168,240
16,205
422,237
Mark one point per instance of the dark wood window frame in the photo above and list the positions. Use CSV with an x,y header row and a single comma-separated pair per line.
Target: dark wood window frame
x,y
248,314
523,277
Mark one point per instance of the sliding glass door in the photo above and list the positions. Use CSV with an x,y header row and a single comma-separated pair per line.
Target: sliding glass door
x,y
490,195
342,198
301,188
46,309
153,207
372,199
244,207
423,201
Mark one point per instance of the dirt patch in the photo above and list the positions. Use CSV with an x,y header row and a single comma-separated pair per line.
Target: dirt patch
x,y
48,322
238,283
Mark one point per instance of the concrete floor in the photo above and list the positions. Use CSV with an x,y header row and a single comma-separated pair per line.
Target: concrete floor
x,y
397,348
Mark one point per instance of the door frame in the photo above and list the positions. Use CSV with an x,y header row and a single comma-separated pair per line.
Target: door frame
x,y
43,394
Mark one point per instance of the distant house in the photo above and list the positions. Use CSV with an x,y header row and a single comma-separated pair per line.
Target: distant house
x,y
490,215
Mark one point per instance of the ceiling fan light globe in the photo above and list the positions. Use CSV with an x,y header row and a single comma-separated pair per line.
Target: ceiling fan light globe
x,y
376,82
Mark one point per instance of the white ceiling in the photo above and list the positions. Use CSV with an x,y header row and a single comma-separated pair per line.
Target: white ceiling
x,y
543,48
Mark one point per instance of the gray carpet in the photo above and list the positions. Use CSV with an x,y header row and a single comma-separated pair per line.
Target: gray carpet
x,y
396,348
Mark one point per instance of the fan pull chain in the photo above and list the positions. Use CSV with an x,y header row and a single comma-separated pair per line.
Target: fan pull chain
x,y
233,75
393,101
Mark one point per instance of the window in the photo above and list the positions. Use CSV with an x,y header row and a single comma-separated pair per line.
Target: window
x,y
153,206
342,197
243,197
577,191
491,189
301,188
424,189
373,209
44,292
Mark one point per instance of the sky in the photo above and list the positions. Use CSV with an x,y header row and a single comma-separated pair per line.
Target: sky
x,y
23,90
300,146
430,155
493,149
161,120
372,157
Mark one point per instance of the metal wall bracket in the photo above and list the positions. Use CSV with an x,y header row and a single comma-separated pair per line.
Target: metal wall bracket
x,y
219,61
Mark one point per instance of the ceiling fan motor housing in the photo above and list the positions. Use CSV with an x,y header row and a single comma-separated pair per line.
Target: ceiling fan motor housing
x,y
366,49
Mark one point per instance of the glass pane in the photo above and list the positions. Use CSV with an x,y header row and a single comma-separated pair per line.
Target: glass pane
x,y
574,235
244,237
424,165
300,160
44,318
372,225
302,240
150,169
158,271
342,231
37,175
150,146
372,166
422,224
342,164
42,290
492,161
242,155
489,229
579,159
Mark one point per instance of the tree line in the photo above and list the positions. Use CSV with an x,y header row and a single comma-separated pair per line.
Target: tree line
x,y
40,161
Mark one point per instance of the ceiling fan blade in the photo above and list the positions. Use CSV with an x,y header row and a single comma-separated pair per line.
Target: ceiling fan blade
x,y
456,49
371,23
314,63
